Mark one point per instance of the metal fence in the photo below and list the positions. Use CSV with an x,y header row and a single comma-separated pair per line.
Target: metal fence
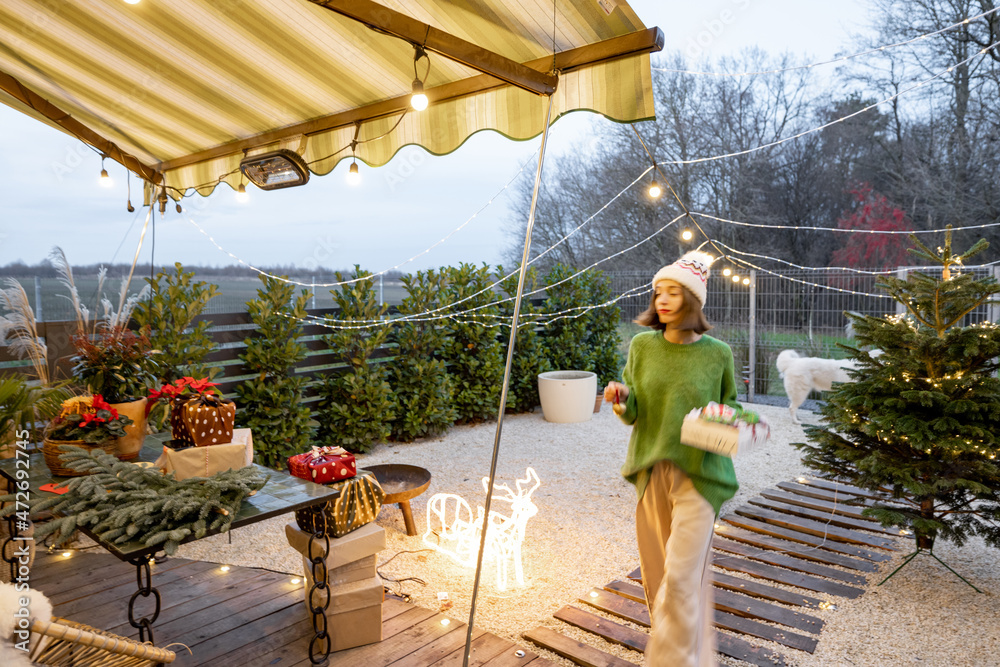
x,y
773,311
764,312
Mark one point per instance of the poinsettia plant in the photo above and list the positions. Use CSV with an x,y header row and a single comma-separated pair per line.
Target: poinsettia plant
x,y
87,418
184,388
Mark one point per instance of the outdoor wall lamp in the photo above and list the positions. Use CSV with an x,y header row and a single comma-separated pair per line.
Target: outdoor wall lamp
x,y
275,170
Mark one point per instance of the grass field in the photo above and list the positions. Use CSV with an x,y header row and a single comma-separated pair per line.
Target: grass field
x,y
234,294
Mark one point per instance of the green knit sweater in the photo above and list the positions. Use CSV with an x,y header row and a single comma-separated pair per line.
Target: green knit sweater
x,y
666,381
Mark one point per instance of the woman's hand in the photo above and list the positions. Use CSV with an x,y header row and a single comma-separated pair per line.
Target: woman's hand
x,y
615,392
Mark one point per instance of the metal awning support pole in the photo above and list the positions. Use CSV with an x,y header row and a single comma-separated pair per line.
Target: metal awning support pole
x,y
506,379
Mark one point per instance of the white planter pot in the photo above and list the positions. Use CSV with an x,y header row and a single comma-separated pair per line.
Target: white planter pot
x,y
567,396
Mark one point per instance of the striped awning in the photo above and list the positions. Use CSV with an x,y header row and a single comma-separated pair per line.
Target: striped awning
x,y
180,91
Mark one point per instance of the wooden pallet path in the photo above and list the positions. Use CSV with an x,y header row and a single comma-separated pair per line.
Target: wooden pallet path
x,y
809,534
245,617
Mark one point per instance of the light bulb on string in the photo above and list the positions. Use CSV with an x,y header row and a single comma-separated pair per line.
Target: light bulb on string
x,y
687,235
736,278
655,190
105,181
241,194
418,100
746,281
727,272
353,175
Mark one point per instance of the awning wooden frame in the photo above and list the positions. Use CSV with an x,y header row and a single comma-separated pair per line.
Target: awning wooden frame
x,y
642,41
383,19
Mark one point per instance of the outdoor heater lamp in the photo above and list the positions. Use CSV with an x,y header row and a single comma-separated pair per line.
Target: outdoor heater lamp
x,y
275,170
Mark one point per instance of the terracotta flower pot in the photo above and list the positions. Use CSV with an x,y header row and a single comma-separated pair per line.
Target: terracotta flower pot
x,y
135,433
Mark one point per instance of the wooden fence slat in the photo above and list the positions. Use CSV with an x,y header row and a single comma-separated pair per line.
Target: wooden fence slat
x,y
818,528
806,553
826,517
787,562
571,649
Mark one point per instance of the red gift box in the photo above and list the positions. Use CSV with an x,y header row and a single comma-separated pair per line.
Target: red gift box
x,y
323,465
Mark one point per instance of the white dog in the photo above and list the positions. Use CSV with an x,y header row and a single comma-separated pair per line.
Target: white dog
x,y
803,374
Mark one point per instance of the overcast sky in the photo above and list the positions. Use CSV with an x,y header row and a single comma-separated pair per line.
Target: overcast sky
x,y
50,193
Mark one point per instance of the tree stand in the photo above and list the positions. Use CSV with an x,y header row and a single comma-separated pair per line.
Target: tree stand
x,y
929,552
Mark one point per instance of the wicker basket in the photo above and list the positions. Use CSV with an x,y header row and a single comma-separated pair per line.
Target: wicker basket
x,y
50,450
69,644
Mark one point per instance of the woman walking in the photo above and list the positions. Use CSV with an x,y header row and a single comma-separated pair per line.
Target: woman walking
x,y
670,371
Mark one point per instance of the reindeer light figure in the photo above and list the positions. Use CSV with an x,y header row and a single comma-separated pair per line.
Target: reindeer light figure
x,y
458,534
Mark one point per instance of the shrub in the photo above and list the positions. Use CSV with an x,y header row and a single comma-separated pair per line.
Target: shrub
x,y
602,328
530,357
471,351
421,382
169,313
357,406
271,403
566,338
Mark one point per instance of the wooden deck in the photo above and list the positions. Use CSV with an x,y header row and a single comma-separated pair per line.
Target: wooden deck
x,y
247,617
809,535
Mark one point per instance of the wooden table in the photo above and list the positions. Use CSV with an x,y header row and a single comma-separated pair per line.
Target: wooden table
x,y
282,494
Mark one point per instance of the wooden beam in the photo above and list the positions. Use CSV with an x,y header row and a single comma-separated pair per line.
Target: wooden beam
x,y
643,41
416,32
33,100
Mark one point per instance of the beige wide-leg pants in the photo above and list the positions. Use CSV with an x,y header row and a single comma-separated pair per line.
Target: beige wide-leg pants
x,y
674,525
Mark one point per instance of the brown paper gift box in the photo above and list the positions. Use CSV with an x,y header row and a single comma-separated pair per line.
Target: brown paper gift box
x,y
208,461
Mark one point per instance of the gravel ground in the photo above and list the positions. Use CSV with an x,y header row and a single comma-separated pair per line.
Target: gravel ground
x,y
583,537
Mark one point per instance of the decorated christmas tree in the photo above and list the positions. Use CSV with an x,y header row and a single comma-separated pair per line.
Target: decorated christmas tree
x,y
921,421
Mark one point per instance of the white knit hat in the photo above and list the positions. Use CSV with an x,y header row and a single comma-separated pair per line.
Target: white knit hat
x,y
691,271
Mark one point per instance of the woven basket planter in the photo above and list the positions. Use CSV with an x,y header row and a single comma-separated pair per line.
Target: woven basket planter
x,y
50,450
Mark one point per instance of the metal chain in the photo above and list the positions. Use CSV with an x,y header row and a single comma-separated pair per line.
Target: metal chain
x,y
8,547
319,647
145,624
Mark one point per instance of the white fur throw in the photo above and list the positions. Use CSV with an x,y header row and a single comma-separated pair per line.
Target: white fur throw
x,y
17,609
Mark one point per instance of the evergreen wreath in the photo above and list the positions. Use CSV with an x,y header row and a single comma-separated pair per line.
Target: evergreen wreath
x,y
121,502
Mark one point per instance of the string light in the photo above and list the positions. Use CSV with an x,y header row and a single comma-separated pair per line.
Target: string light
x,y
655,190
105,180
418,100
353,175
761,225
834,60
383,271
241,194
687,235
727,272
746,281
778,142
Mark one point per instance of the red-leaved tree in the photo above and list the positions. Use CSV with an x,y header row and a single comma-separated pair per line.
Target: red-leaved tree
x,y
863,249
